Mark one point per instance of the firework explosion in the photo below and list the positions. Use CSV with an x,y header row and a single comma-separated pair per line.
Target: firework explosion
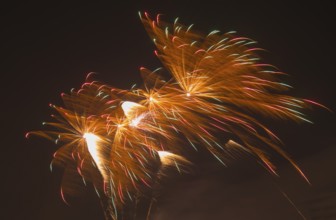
x,y
118,139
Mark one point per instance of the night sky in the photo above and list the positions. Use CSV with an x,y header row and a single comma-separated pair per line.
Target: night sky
x,y
48,48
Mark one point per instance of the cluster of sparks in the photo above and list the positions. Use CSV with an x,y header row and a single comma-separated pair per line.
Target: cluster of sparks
x,y
117,138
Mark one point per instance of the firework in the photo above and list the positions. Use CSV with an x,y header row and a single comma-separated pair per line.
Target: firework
x,y
118,139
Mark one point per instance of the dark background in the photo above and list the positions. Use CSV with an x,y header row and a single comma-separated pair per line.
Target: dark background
x,y
48,48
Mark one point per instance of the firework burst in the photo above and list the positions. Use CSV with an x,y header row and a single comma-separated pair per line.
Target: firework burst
x,y
117,139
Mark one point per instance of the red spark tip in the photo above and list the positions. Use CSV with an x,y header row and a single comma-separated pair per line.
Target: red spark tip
x,y
142,68
63,197
318,104
158,18
27,135
89,75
